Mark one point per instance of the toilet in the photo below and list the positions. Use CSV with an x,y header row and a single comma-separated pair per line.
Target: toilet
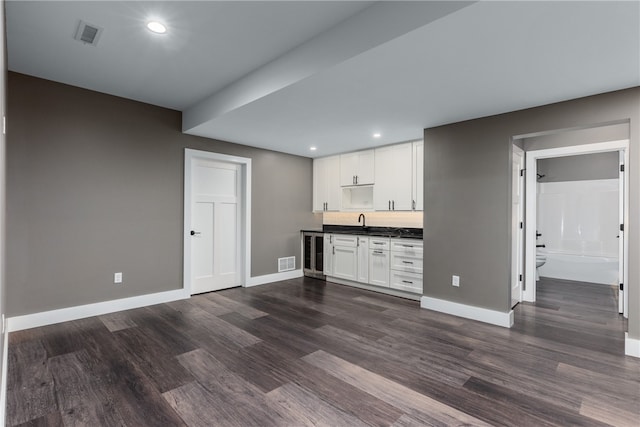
x,y
540,260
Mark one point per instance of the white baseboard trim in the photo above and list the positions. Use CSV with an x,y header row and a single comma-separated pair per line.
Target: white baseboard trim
x,y
3,382
631,346
492,317
275,277
27,321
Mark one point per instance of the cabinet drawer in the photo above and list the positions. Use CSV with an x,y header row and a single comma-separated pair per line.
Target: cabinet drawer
x,y
345,240
409,282
407,246
407,263
379,243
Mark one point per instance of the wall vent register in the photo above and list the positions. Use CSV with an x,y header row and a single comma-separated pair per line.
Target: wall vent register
x,y
286,264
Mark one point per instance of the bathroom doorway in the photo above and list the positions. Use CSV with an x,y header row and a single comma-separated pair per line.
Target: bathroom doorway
x,y
577,199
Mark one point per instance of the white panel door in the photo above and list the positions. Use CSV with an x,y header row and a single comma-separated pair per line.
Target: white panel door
x,y
623,303
517,226
215,221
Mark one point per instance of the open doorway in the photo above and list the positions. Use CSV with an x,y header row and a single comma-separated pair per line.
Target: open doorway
x,y
555,195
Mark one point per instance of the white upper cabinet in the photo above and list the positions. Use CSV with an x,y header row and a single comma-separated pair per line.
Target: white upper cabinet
x,y
418,175
394,178
357,168
326,184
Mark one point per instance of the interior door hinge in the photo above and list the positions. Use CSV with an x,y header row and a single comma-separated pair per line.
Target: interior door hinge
x,y
521,225
621,227
621,168
520,278
522,172
622,286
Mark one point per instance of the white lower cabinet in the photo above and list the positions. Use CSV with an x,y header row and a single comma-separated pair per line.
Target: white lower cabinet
x,y
380,261
345,264
406,265
363,259
379,267
409,282
345,256
328,255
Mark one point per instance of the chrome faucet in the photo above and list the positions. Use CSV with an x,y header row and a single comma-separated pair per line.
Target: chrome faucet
x,y
363,219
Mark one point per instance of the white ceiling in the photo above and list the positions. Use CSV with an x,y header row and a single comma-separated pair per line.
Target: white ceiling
x,y
289,75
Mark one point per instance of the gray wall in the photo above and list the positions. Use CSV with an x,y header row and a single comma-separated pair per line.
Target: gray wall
x,y
95,186
467,196
579,168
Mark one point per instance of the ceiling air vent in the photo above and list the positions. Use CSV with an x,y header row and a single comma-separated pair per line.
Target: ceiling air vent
x,y
88,33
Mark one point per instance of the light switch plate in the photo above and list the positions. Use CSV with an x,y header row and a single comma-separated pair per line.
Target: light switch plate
x,y
455,281
117,278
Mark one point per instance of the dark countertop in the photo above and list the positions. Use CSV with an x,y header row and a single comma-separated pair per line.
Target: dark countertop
x,y
408,233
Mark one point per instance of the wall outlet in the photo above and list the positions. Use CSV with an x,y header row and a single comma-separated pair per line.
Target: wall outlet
x,y
455,281
117,278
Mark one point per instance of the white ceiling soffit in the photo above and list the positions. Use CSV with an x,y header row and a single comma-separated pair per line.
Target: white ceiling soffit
x,y
374,26
483,59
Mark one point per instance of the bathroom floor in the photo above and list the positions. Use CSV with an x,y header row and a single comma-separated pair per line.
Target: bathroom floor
x,y
580,313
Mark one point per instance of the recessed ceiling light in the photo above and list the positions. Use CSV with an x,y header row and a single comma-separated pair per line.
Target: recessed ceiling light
x,y
377,135
156,27
312,148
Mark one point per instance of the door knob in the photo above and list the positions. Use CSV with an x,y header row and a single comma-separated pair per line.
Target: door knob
x,y
193,233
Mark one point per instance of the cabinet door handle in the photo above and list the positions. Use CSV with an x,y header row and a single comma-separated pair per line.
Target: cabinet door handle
x,y
407,246
407,281
378,243
393,205
353,180
389,204
333,250
407,262
413,205
377,252
358,241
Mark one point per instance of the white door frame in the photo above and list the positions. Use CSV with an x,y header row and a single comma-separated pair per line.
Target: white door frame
x,y
517,235
190,155
531,203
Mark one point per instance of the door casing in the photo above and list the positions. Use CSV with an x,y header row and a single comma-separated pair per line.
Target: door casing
x,y
529,293
245,216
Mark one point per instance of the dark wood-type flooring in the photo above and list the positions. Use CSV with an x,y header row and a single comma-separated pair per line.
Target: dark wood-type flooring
x,y
305,352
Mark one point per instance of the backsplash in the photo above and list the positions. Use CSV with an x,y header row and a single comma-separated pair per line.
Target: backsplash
x,y
375,219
